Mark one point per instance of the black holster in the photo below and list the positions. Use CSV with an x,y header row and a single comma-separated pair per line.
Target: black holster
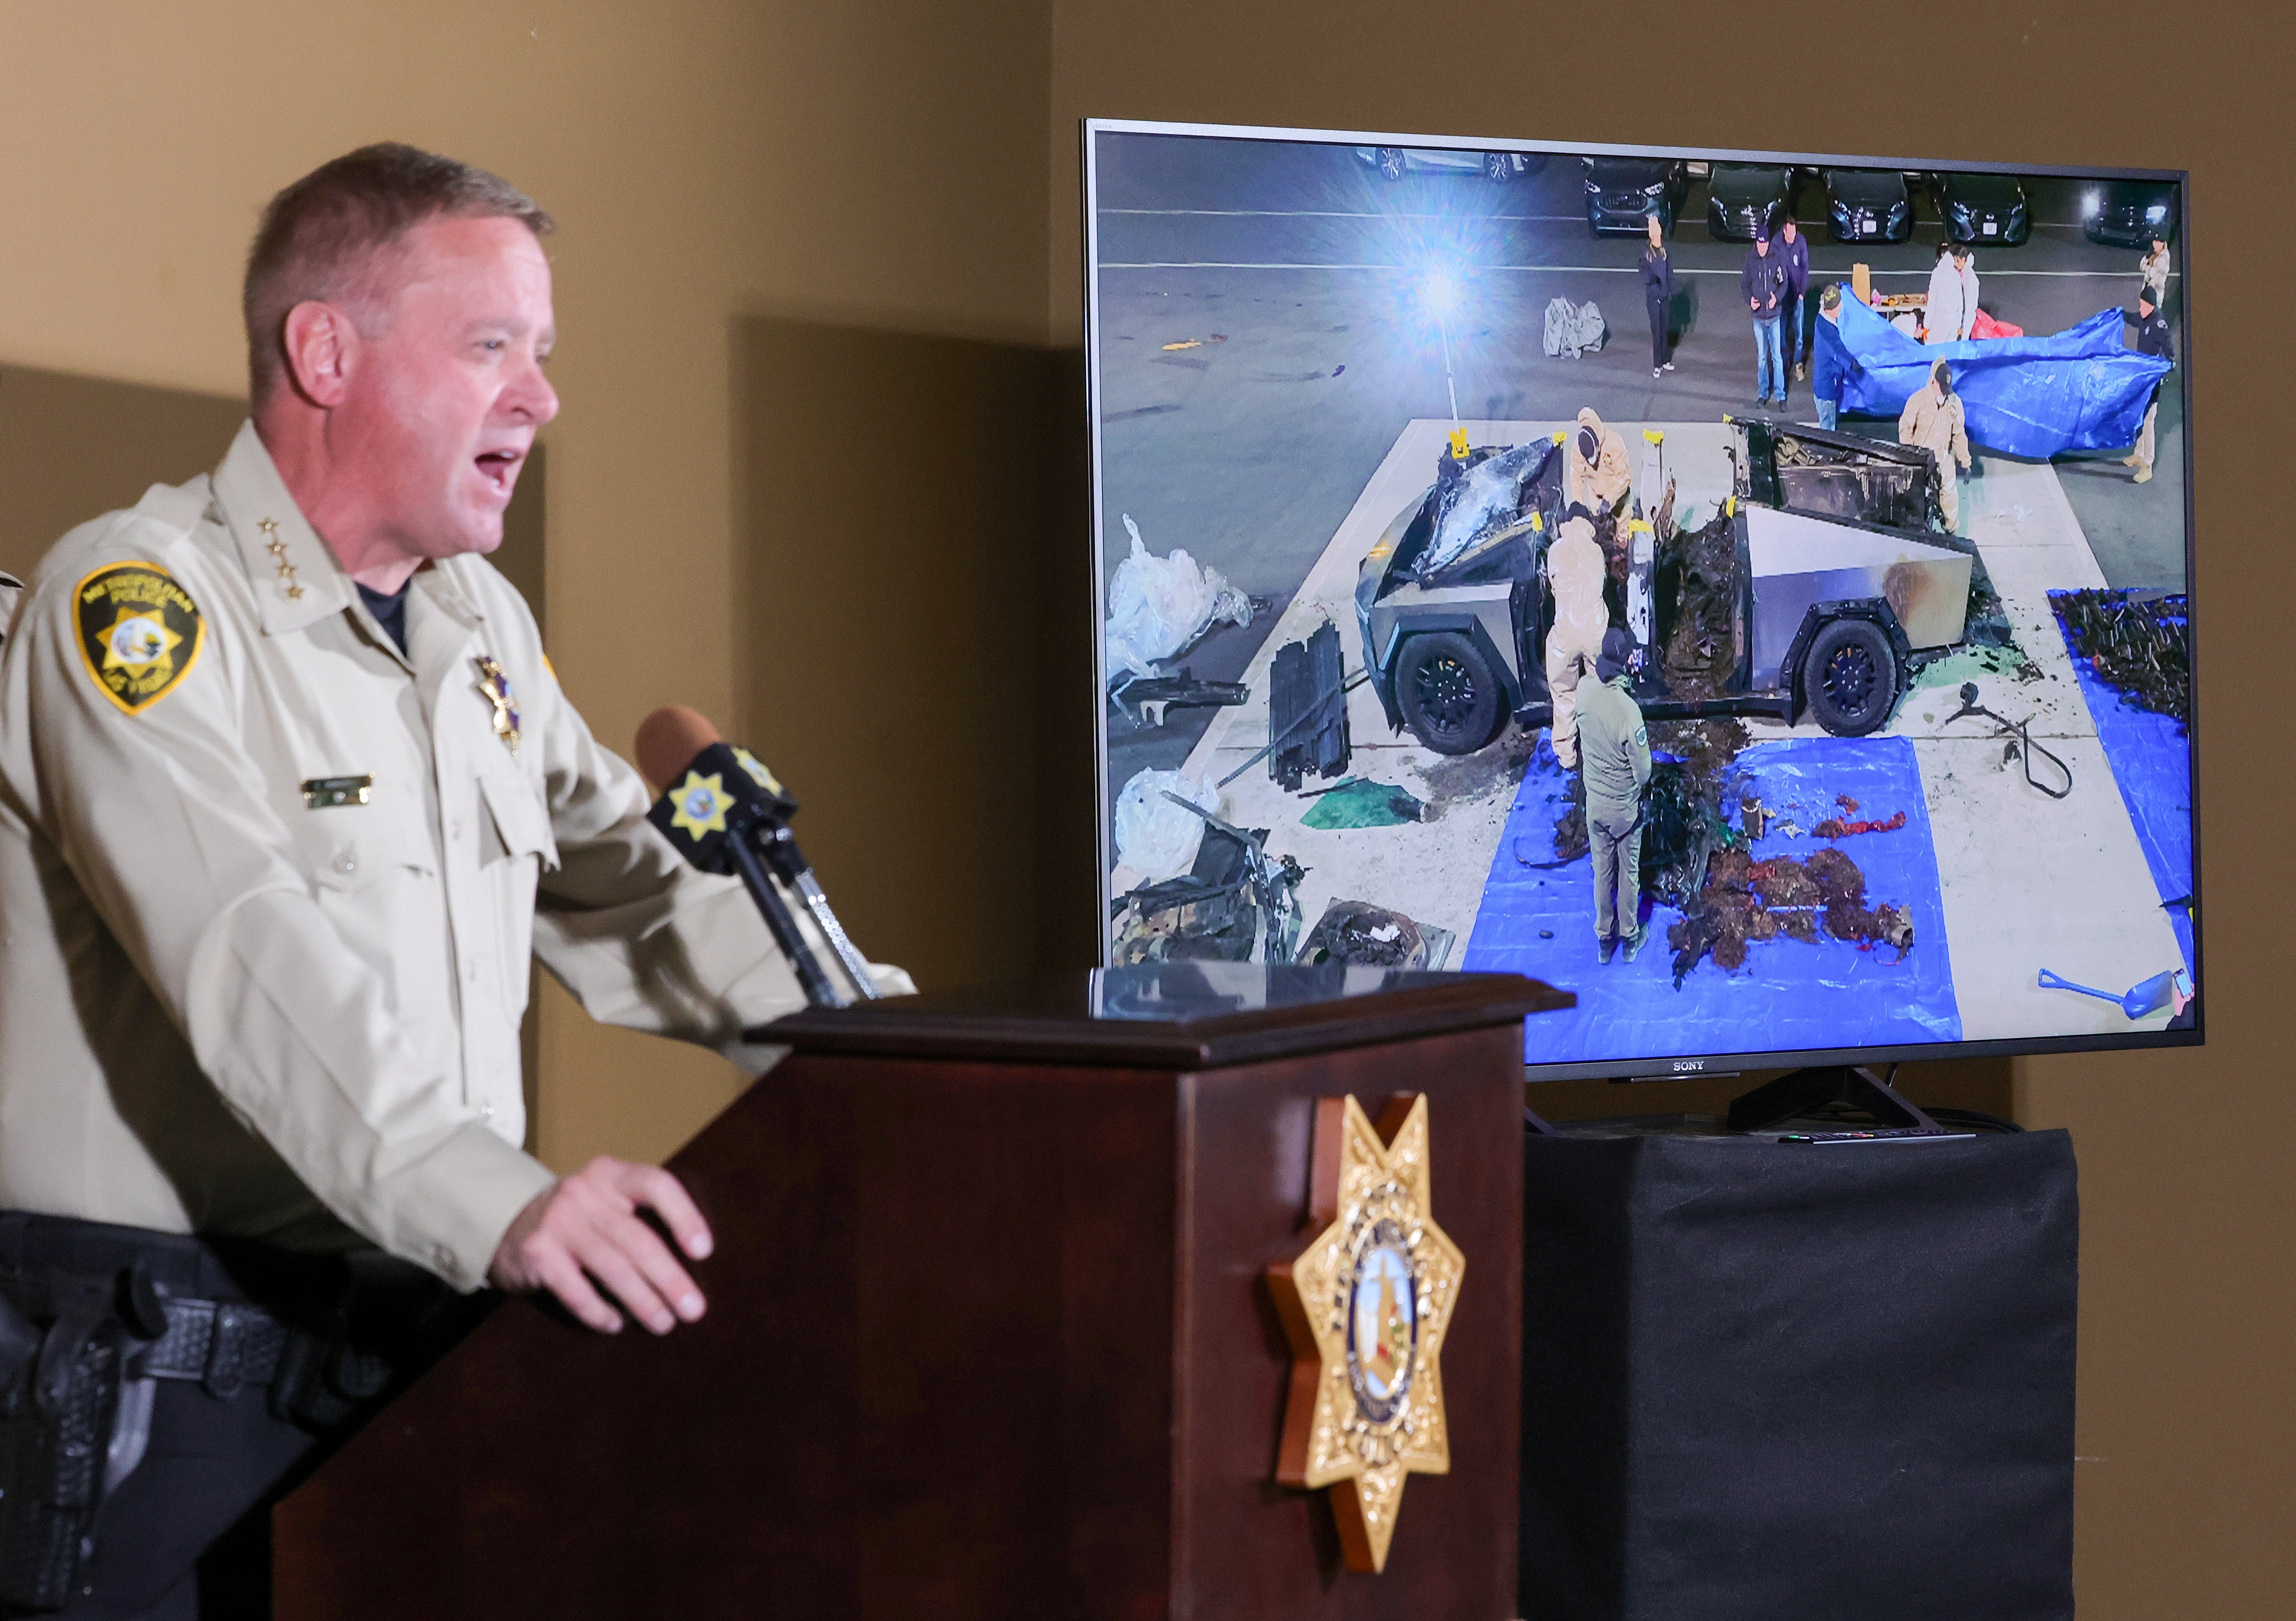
x,y
90,1312
58,1389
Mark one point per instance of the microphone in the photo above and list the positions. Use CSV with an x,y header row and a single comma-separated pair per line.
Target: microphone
x,y
727,813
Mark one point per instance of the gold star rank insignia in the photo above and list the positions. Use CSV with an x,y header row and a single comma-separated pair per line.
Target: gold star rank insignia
x,y
1366,1310
494,686
139,633
701,803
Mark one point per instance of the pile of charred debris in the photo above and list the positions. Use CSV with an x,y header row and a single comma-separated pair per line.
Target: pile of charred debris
x,y
1696,861
1698,581
1238,903
2139,643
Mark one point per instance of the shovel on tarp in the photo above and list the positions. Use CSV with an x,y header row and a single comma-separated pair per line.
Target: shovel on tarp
x,y
2174,987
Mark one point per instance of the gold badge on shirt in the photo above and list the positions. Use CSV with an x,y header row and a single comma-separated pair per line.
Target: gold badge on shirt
x,y
494,686
140,633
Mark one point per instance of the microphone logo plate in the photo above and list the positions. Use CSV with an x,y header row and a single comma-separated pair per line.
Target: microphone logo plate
x,y
701,803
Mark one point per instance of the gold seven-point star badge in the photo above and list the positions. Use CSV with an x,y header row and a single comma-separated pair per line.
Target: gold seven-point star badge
x,y
701,804
1366,1308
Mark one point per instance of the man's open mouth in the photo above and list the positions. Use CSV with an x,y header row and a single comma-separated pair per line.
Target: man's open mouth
x,y
500,467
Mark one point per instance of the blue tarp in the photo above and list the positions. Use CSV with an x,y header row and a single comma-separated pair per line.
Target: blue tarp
x,y
2151,759
2081,389
1788,997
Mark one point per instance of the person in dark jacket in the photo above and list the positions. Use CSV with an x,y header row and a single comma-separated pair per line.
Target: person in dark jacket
x,y
1658,295
1829,359
2153,338
1762,283
1792,250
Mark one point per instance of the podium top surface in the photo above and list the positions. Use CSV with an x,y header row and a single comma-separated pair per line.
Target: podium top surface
x,y
1170,1015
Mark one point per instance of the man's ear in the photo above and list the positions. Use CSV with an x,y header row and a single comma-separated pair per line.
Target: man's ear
x,y
323,348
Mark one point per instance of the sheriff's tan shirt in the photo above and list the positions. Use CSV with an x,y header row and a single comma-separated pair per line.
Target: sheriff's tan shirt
x,y
231,1005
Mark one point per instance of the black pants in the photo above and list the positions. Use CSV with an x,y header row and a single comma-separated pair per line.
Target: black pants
x,y
1657,309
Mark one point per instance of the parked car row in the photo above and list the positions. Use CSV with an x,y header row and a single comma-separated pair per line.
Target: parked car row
x,y
1861,204
1744,200
1394,162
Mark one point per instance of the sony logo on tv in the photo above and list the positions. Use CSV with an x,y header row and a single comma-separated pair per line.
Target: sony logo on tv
x,y
1687,1066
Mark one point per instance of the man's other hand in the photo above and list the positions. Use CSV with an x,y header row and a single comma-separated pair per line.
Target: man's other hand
x,y
585,1227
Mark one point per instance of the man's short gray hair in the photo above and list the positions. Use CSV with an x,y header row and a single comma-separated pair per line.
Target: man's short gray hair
x,y
321,236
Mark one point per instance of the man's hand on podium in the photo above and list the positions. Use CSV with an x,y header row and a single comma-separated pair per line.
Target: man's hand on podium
x,y
585,1226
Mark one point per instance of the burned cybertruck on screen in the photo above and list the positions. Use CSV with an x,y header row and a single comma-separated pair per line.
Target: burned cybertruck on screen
x,y
1824,579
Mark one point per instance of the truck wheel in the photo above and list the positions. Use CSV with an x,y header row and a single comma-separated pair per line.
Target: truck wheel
x,y
1498,166
1448,692
1392,162
1851,677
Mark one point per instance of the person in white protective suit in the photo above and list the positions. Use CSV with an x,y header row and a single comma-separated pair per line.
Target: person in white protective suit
x,y
1575,568
1594,473
1945,319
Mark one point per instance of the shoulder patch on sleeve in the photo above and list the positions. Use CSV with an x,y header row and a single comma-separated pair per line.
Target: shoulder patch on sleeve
x,y
139,633
1641,736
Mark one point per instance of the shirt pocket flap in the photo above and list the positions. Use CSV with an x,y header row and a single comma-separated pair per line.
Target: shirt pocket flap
x,y
347,847
521,821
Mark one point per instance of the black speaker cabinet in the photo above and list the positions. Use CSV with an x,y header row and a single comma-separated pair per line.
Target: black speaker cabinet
x,y
1768,1381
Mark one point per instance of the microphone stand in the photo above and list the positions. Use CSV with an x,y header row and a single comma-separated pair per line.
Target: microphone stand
x,y
789,864
794,945
760,838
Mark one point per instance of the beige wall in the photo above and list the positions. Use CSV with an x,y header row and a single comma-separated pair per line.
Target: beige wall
x,y
797,238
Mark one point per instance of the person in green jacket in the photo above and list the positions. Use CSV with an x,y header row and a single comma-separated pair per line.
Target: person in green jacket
x,y
1614,763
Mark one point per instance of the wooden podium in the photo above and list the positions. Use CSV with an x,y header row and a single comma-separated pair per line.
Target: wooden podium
x,y
989,1335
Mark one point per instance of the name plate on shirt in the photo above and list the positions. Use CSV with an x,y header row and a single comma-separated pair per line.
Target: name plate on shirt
x,y
325,792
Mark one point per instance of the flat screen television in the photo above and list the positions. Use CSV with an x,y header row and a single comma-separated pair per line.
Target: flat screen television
x,y
1408,451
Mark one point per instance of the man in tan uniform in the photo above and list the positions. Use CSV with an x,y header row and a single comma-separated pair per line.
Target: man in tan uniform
x,y
285,777
1594,471
1575,573
1932,419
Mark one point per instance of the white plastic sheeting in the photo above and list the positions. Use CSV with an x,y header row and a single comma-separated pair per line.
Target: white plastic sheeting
x,y
1155,837
1572,329
1157,606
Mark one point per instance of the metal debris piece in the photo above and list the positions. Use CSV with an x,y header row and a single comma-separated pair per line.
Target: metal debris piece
x,y
1143,700
1307,710
1235,905
1356,932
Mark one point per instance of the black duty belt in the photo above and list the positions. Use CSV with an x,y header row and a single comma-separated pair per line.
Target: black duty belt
x,y
224,1345
203,1289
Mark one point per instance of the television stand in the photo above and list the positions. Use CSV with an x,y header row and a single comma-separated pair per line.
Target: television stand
x,y
1802,1091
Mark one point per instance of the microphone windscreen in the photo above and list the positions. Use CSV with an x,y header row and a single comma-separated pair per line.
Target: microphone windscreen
x,y
668,739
